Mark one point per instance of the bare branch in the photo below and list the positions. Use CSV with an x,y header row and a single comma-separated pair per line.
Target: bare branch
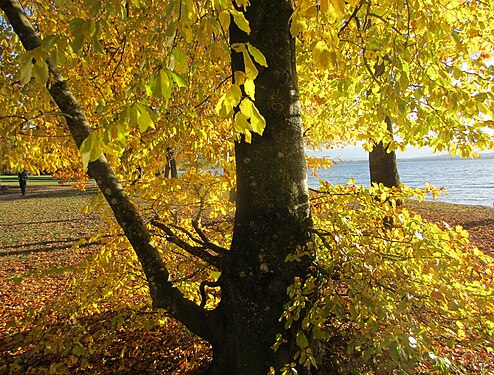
x,y
202,289
207,242
347,22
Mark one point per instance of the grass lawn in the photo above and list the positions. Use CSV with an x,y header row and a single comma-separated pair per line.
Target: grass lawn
x,y
11,180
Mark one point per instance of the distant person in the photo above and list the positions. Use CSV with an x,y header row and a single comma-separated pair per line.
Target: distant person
x,y
23,177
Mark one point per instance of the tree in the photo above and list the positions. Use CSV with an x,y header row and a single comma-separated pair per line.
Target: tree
x,y
171,164
382,163
369,294
272,218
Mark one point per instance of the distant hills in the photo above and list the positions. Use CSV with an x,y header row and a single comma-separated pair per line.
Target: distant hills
x,y
489,155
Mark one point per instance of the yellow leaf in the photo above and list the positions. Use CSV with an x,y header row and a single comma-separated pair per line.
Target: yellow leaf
x,y
90,149
324,6
322,56
240,21
189,11
224,19
240,122
240,77
217,52
257,55
26,68
339,8
144,119
250,88
231,98
250,69
234,93
186,30
258,123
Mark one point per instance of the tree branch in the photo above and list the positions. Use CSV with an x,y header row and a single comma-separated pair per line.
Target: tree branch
x,y
347,22
198,251
206,324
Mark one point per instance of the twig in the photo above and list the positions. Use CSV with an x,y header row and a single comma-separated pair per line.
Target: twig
x,y
347,22
204,284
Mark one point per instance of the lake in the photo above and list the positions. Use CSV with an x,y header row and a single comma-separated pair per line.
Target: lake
x,y
468,181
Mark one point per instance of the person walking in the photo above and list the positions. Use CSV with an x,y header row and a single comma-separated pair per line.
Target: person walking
x,y
23,177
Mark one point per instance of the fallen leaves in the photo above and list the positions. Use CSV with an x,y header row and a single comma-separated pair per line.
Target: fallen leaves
x,y
38,268
38,265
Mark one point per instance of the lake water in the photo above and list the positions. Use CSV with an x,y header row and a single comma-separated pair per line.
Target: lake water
x,y
468,181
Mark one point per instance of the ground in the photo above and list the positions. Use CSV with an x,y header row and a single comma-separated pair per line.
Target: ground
x,y
37,232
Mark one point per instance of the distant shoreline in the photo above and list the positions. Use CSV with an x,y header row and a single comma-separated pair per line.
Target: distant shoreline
x,y
424,158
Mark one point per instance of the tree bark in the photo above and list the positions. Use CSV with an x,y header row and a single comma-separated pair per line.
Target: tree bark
x,y
382,163
273,216
171,164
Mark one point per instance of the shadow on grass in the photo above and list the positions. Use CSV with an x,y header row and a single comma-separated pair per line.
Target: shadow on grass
x,y
44,246
39,222
60,193
47,192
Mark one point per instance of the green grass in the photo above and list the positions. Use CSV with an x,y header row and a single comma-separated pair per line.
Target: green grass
x,y
11,180
44,221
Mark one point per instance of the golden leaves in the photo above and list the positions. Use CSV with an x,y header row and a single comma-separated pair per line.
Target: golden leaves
x,y
33,63
323,56
240,21
230,99
90,149
333,8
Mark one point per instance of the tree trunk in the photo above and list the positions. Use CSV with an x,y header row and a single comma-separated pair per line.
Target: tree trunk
x,y
171,164
382,163
273,216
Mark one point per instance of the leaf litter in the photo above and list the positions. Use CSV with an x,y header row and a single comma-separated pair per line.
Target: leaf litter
x,y
38,264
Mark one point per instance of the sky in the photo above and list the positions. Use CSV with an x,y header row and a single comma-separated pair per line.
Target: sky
x,y
358,153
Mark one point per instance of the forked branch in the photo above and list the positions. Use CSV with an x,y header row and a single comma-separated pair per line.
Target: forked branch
x,y
200,251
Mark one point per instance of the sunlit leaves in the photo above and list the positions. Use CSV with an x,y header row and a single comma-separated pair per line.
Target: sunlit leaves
x,y
90,149
257,121
33,64
26,68
142,115
257,55
323,57
416,65
240,21
83,31
393,282
248,120
228,101
148,85
333,8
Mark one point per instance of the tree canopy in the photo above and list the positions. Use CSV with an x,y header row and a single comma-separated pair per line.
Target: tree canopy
x,y
426,65
108,87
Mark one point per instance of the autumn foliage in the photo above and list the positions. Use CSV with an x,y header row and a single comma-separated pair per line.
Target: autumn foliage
x,y
384,290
